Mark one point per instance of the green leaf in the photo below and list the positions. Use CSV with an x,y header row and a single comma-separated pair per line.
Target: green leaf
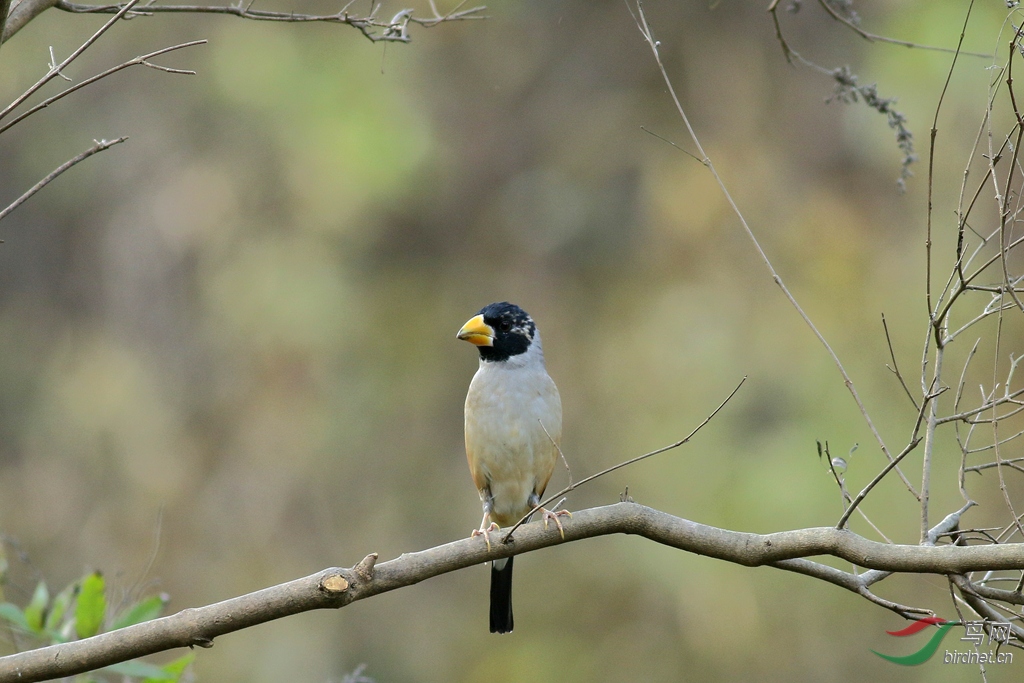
x,y
3,570
144,610
37,607
177,666
13,615
173,670
139,669
59,607
91,606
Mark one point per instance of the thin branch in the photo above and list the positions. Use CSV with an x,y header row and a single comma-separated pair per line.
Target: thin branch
x,y
964,447
973,597
142,60
22,13
844,492
55,69
689,154
990,465
931,162
787,51
100,146
372,27
929,435
874,38
987,406
507,538
874,482
976,319
896,368
337,587
565,462
851,582
1013,163
645,30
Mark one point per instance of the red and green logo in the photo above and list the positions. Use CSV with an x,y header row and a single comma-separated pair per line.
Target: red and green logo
x,y
929,649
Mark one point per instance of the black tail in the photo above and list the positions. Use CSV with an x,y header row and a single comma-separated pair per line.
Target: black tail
x,y
501,597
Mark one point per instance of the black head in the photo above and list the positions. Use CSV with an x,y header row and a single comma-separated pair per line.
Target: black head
x,y
500,331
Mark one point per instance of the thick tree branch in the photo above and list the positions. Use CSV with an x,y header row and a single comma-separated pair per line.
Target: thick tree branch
x,y
337,587
22,13
5,8
655,45
55,69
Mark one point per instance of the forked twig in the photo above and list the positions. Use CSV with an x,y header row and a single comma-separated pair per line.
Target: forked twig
x,y
870,37
559,449
626,463
895,367
100,146
142,60
874,38
371,26
645,30
931,165
56,69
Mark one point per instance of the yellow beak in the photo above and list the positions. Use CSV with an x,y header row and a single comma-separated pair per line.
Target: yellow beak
x,y
477,332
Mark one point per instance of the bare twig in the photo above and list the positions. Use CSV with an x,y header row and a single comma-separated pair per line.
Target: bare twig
x,y
982,608
874,38
141,60
874,482
565,463
371,26
56,69
844,492
870,37
931,162
1003,214
895,367
988,405
931,423
645,30
852,582
99,146
507,538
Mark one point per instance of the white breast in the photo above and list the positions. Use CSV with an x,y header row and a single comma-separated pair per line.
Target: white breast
x,y
508,409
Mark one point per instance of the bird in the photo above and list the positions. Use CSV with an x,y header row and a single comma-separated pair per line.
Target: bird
x,y
513,431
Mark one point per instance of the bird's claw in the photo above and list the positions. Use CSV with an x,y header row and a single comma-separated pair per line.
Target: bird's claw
x,y
548,515
485,532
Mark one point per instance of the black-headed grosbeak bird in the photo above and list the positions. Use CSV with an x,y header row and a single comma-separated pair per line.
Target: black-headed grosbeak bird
x,y
513,427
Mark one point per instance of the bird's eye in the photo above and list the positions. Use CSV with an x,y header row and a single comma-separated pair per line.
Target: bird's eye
x,y
505,326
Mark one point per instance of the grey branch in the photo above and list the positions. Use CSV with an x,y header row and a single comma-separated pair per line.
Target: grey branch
x,y
142,60
56,69
5,8
337,587
99,146
372,26
22,13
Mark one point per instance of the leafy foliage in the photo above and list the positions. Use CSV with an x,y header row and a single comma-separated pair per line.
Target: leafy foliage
x,y
80,611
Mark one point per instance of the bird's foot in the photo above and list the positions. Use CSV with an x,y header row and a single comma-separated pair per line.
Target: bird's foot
x,y
486,533
549,516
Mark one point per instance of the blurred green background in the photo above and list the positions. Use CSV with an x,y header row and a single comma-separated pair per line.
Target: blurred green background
x,y
234,335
